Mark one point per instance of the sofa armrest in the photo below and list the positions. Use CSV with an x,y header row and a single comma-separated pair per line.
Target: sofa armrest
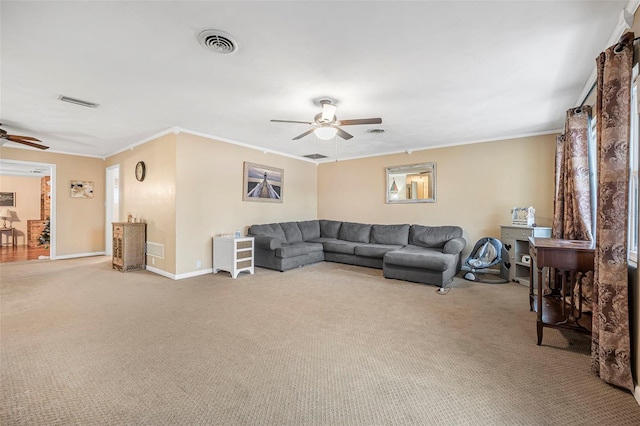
x,y
454,246
267,243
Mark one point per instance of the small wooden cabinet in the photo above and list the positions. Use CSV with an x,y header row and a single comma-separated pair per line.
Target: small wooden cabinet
x,y
129,246
515,240
233,255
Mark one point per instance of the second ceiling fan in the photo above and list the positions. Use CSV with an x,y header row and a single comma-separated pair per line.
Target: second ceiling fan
x,y
326,125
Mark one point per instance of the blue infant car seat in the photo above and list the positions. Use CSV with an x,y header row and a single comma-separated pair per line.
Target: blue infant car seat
x,y
487,252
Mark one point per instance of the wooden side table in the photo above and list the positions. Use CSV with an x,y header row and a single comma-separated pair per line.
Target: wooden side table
x,y
233,255
10,231
568,258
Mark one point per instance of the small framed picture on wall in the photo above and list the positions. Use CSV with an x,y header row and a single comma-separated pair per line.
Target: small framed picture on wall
x,y
7,199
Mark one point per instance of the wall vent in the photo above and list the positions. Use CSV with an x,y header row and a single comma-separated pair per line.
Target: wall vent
x,y
155,250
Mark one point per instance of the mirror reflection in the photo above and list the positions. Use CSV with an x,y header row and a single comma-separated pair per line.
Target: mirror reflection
x,y
415,183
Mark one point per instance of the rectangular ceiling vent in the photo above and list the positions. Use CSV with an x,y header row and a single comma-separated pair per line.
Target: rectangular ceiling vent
x,y
315,156
77,102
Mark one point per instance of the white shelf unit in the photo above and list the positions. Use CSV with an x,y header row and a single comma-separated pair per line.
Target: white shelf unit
x,y
233,255
515,239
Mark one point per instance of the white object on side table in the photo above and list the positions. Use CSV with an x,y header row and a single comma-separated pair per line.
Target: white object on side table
x,y
233,255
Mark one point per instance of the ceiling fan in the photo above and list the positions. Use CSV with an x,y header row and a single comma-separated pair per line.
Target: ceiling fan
x,y
25,140
326,125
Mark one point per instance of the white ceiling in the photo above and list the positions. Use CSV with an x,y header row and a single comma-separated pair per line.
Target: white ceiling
x,y
438,73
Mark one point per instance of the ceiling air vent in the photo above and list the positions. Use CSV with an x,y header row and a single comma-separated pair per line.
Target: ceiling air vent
x,y
77,102
315,156
218,41
375,130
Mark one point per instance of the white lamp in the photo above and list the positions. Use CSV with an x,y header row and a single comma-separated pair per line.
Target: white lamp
x,y
5,214
325,132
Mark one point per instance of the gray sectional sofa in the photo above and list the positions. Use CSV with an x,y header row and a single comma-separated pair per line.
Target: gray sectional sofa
x,y
425,254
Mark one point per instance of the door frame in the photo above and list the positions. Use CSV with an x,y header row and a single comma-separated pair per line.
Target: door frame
x,y
111,174
52,174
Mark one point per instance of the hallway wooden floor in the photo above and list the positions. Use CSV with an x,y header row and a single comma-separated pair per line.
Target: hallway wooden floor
x,y
20,253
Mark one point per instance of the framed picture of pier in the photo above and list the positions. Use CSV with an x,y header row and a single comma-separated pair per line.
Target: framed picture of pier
x,y
262,183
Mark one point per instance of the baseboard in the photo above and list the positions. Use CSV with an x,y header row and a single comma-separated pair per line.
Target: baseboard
x,y
194,273
73,256
179,276
160,272
636,394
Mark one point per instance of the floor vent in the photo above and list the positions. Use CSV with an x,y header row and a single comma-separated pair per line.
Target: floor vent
x,y
155,250
315,156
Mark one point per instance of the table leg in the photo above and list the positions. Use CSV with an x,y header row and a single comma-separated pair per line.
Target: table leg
x,y
539,322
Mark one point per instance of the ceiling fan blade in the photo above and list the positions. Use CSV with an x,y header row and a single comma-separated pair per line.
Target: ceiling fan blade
x,y
360,121
33,144
27,138
290,121
303,135
343,134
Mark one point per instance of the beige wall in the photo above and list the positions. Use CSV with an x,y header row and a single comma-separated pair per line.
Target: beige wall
x,y
209,196
193,191
27,207
79,222
477,185
154,199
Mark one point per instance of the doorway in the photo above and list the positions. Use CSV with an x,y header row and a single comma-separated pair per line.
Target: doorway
x,y
29,206
112,204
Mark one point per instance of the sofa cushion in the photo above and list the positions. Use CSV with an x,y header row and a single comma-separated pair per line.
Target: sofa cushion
x,y
292,232
330,228
390,234
454,246
322,240
269,230
338,246
433,236
375,250
297,249
310,229
356,232
421,258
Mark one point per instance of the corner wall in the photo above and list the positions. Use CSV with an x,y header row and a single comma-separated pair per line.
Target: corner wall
x,y
209,190
154,199
477,186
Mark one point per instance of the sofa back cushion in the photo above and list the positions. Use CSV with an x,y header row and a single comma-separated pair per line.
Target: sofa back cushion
x,y
310,229
330,228
273,230
433,236
390,234
356,232
292,232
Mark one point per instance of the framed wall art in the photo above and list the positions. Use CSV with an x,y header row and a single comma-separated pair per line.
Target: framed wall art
x,y
81,189
7,199
262,183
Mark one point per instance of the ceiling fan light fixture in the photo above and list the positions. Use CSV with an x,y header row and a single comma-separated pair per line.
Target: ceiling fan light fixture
x,y
326,132
328,112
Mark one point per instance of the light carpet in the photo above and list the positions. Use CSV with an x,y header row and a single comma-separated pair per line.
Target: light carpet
x,y
327,344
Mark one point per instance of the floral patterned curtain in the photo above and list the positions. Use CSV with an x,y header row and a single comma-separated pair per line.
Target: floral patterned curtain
x,y
572,218
610,346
